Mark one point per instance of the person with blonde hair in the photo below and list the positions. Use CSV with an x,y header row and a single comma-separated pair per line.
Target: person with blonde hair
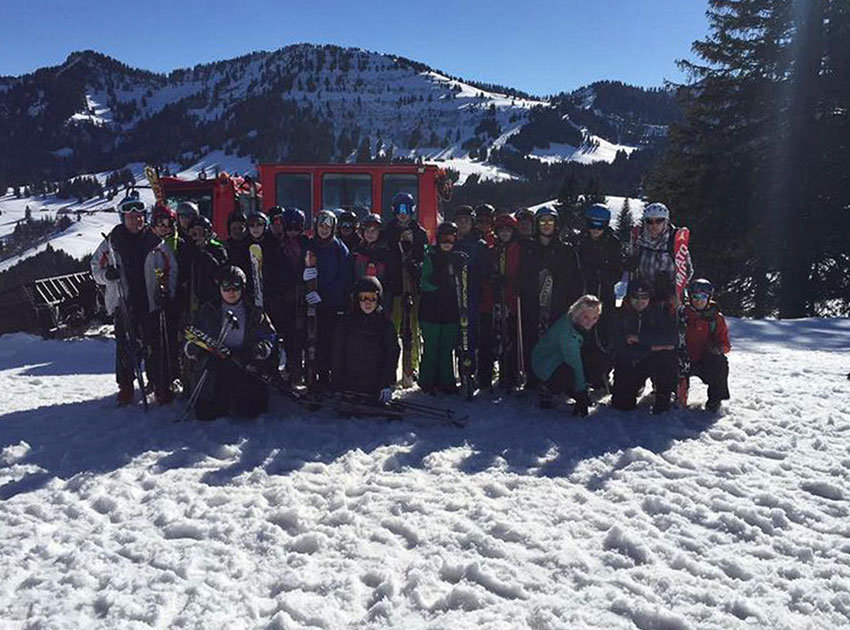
x,y
556,359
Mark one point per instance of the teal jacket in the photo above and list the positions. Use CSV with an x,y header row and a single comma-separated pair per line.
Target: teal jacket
x,y
561,344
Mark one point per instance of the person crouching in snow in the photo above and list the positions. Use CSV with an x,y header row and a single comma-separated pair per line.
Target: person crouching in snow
x,y
365,347
707,338
556,359
227,388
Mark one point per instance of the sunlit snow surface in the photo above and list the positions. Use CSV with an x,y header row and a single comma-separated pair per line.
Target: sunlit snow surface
x,y
524,519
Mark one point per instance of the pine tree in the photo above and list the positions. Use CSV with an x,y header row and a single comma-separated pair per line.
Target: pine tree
x,y
625,223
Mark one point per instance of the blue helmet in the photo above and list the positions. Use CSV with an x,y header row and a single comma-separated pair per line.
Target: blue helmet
x,y
546,211
403,203
597,216
293,219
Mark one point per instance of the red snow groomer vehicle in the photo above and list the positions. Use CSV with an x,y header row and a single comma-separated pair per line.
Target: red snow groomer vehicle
x,y
216,197
362,188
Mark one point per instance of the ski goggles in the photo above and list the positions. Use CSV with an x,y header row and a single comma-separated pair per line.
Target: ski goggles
x,y
368,297
699,296
657,221
131,206
595,225
404,208
546,220
325,220
230,285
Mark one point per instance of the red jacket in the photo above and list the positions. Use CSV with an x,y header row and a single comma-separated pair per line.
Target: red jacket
x,y
705,329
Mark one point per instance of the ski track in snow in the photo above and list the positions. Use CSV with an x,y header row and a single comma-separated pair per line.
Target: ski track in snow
x,y
524,519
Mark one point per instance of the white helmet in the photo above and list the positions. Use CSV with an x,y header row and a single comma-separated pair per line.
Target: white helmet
x,y
656,211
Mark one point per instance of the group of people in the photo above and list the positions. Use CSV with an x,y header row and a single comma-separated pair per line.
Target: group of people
x,y
347,304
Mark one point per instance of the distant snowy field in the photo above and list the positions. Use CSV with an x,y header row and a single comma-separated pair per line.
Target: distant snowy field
x,y
524,519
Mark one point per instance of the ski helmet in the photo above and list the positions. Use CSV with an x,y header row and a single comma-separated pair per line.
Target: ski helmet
x,y
235,217
484,211
202,221
372,219
656,211
162,212
505,220
275,212
447,228
546,211
524,213
347,218
639,289
231,275
325,217
598,216
368,284
464,211
131,203
293,219
187,209
701,285
257,216
403,203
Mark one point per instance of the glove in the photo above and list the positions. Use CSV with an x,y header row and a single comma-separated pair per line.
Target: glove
x,y
310,273
313,298
581,404
385,395
263,350
112,273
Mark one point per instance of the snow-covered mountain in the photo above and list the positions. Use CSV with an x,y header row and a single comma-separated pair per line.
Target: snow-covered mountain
x,y
302,102
523,519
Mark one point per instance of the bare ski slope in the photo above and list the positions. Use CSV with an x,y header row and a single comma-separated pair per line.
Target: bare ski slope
x,y
524,519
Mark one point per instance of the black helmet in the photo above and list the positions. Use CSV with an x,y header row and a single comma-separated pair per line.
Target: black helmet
x,y
231,274
639,288
464,211
372,219
258,216
347,217
524,214
274,212
293,218
369,284
235,217
447,227
484,211
403,203
202,221
187,209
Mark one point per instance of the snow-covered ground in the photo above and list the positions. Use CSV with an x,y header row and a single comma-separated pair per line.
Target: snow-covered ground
x,y
523,519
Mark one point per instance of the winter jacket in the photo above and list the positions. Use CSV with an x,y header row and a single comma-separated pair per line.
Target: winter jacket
x,y
137,258
438,303
365,352
706,330
654,326
561,344
287,267
198,270
375,260
559,258
256,327
507,281
333,262
600,264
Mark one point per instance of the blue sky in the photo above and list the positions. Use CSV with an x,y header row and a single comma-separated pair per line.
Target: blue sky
x,y
540,46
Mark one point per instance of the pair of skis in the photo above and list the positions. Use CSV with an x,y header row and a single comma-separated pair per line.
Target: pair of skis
x,y
465,362
407,304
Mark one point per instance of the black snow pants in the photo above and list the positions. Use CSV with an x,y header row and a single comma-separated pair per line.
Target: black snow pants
x,y
713,370
629,378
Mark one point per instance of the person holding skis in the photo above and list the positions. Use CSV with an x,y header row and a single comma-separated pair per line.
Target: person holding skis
x,y
260,243
484,215
199,258
186,211
439,311
556,358
237,241
228,388
405,235
644,342
550,280
164,225
365,347
128,264
276,223
478,266
333,275
348,229
600,262
708,344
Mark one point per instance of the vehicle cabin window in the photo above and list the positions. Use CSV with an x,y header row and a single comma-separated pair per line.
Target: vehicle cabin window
x,y
204,203
294,190
248,204
394,184
350,192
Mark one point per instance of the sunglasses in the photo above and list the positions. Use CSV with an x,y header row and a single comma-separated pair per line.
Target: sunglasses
x,y
231,286
654,221
546,221
367,297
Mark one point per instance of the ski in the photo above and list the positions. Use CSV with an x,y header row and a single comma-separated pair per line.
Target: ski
x,y
546,284
312,369
153,179
255,251
522,377
164,338
406,321
680,259
465,366
500,319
